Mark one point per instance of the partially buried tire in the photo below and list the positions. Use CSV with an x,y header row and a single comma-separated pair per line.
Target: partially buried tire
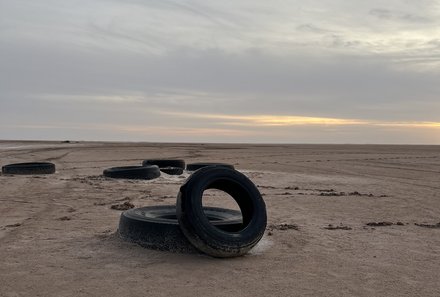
x,y
29,168
172,170
196,166
133,172
156,227
165,163
205,236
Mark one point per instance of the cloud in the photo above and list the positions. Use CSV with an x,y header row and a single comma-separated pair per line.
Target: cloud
x,y
158,27
214,81
124,99
386,14
277,64
311,28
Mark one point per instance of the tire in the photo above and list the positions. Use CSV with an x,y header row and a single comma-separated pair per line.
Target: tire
x,y
200,232
172,170
157,227
133,172
196,166
29,168
165,163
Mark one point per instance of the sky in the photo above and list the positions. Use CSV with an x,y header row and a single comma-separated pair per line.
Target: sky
x,y
316,71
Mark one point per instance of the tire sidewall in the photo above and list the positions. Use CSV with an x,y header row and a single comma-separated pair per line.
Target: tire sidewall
x,y
133,172
204,235
29,168
147,227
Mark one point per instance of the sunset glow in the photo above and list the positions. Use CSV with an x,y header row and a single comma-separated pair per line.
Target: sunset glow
x,y
214,71
284,120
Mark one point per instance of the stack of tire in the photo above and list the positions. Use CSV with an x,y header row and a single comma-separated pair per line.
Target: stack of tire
x,y
168,166
152,168
189,226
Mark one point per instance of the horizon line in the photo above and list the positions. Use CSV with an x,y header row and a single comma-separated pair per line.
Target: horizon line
x,y
210,143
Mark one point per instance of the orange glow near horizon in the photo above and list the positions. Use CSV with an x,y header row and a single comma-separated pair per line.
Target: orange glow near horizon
x,y
286,120
410,124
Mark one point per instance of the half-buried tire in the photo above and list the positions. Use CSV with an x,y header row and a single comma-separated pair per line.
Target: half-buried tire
x,y
196,166
197,228
133,172
165,163
29,168
157,227
172,170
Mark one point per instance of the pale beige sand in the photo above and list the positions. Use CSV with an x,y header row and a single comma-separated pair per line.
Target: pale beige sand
x,y
57,232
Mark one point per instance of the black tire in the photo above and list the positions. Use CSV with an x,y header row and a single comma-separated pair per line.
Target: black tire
x,y
172,170
29,168
133,172
196,166
165,163
197,228
157,227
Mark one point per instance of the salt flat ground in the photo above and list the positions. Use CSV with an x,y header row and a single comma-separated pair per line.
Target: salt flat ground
x,y
58,232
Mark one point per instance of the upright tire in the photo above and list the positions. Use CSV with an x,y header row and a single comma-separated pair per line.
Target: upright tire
x,y
29,168
165,163
133,172
205,236
157,227
196,166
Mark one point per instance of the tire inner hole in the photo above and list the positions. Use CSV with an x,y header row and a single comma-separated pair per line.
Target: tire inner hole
x,y
218,198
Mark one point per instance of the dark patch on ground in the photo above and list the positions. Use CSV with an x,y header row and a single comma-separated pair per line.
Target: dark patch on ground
x,y
338,227
266,187
124,206
13,225
65,218
283,194
431,226
332,192
379,224
291,188
282,227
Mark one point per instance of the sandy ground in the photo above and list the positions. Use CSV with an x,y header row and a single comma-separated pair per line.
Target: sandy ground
x,y
58,232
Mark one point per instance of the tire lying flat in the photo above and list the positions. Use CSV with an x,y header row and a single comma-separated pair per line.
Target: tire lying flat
x,y
133,172
205,236
165,163
157,227
196,166
172,170
29,168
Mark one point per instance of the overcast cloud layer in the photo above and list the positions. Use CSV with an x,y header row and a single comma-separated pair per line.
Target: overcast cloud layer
x,y
221,71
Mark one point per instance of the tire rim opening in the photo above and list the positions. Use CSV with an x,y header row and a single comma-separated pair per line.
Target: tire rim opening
x,y
213,197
